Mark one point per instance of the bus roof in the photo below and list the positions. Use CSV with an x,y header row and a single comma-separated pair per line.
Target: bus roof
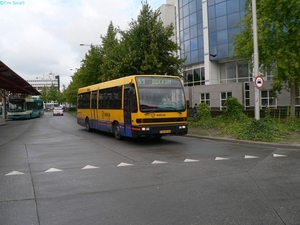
x,y
119,81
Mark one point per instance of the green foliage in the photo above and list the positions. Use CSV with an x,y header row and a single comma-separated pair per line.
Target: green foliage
x,y
44,95
258,131
90,72
70,93
110,67
203,112
265,130
234,109
51,93
268,117
148,47
278,42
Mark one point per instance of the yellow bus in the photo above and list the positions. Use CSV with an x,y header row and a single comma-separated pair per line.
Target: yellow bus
x,y
134,106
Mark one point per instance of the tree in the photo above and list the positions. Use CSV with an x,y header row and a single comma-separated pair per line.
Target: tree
x,y
278,41
110,66
44,95
90,66
77,81
147,47
52,93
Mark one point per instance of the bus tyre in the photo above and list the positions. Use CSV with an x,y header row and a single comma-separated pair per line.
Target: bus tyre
x,y
117,132
87,125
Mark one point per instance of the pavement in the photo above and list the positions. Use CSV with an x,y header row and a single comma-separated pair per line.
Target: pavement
x,y
226,184
2,122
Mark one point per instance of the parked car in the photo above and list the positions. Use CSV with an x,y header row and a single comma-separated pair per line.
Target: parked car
x,y
58,111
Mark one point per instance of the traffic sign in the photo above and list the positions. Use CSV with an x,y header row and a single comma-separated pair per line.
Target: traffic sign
x,y
259,82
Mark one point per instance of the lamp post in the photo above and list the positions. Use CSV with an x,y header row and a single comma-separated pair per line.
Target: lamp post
x,y
255,59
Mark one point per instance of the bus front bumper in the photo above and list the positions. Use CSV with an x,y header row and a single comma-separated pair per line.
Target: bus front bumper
x,y
159,130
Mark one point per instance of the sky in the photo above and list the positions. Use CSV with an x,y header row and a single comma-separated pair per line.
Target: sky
x,y
39,37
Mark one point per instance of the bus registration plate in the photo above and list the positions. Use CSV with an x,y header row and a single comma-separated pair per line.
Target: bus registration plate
x,y
165,131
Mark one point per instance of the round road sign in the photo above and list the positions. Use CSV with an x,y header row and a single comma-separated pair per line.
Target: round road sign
x,y
259,81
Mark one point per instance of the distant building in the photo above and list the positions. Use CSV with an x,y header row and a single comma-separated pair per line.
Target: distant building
x,y
47,80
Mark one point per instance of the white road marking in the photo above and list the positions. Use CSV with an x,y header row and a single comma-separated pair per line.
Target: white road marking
x,y
158,162
221,158
250,157
191,160
88,167
278,155
127,164
124,164
14,173
52,170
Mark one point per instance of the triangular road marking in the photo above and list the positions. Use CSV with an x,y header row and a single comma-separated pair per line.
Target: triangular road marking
x,y
87,167
191,160
221,158
158,162
52,170
278,155
124,164
14,173
250,157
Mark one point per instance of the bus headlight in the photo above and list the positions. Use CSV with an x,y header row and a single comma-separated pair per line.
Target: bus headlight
x,y
145,128
182,127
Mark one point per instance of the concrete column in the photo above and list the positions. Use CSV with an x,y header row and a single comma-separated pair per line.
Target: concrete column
x,y
3,117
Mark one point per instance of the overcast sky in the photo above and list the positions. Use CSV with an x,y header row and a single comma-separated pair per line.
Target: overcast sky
x,y
42,36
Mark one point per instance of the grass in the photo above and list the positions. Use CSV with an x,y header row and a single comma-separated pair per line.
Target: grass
x,y
244,128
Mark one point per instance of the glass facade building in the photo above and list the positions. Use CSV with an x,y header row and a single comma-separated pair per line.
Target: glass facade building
x,y
191,31
205,29
222,17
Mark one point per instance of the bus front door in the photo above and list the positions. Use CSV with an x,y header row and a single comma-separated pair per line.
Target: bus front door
x,y
127,112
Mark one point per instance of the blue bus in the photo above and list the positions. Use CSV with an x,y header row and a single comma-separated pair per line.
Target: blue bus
x,y
21,108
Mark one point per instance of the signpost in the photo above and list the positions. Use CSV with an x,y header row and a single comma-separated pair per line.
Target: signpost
x,y
259,82
255,60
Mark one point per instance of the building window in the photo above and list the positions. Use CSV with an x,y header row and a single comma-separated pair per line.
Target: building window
x,y
246,95
223,98
205,98
233,72
194,77
269,74
267,100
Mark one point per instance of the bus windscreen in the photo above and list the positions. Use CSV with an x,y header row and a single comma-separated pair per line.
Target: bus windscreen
x,y
160,94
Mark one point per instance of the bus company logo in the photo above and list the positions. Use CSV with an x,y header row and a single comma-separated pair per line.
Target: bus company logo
x,y
152,115
105,114
161,114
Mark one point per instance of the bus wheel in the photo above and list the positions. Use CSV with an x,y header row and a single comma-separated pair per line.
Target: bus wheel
x,y
117,132
87,125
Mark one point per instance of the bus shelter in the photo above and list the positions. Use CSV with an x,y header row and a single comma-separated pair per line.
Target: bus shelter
x,y
10,81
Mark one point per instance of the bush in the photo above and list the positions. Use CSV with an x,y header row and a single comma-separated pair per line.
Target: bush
x,y
258,131
234,109
203,112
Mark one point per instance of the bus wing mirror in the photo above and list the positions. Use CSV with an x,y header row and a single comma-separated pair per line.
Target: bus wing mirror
x,y
131,90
